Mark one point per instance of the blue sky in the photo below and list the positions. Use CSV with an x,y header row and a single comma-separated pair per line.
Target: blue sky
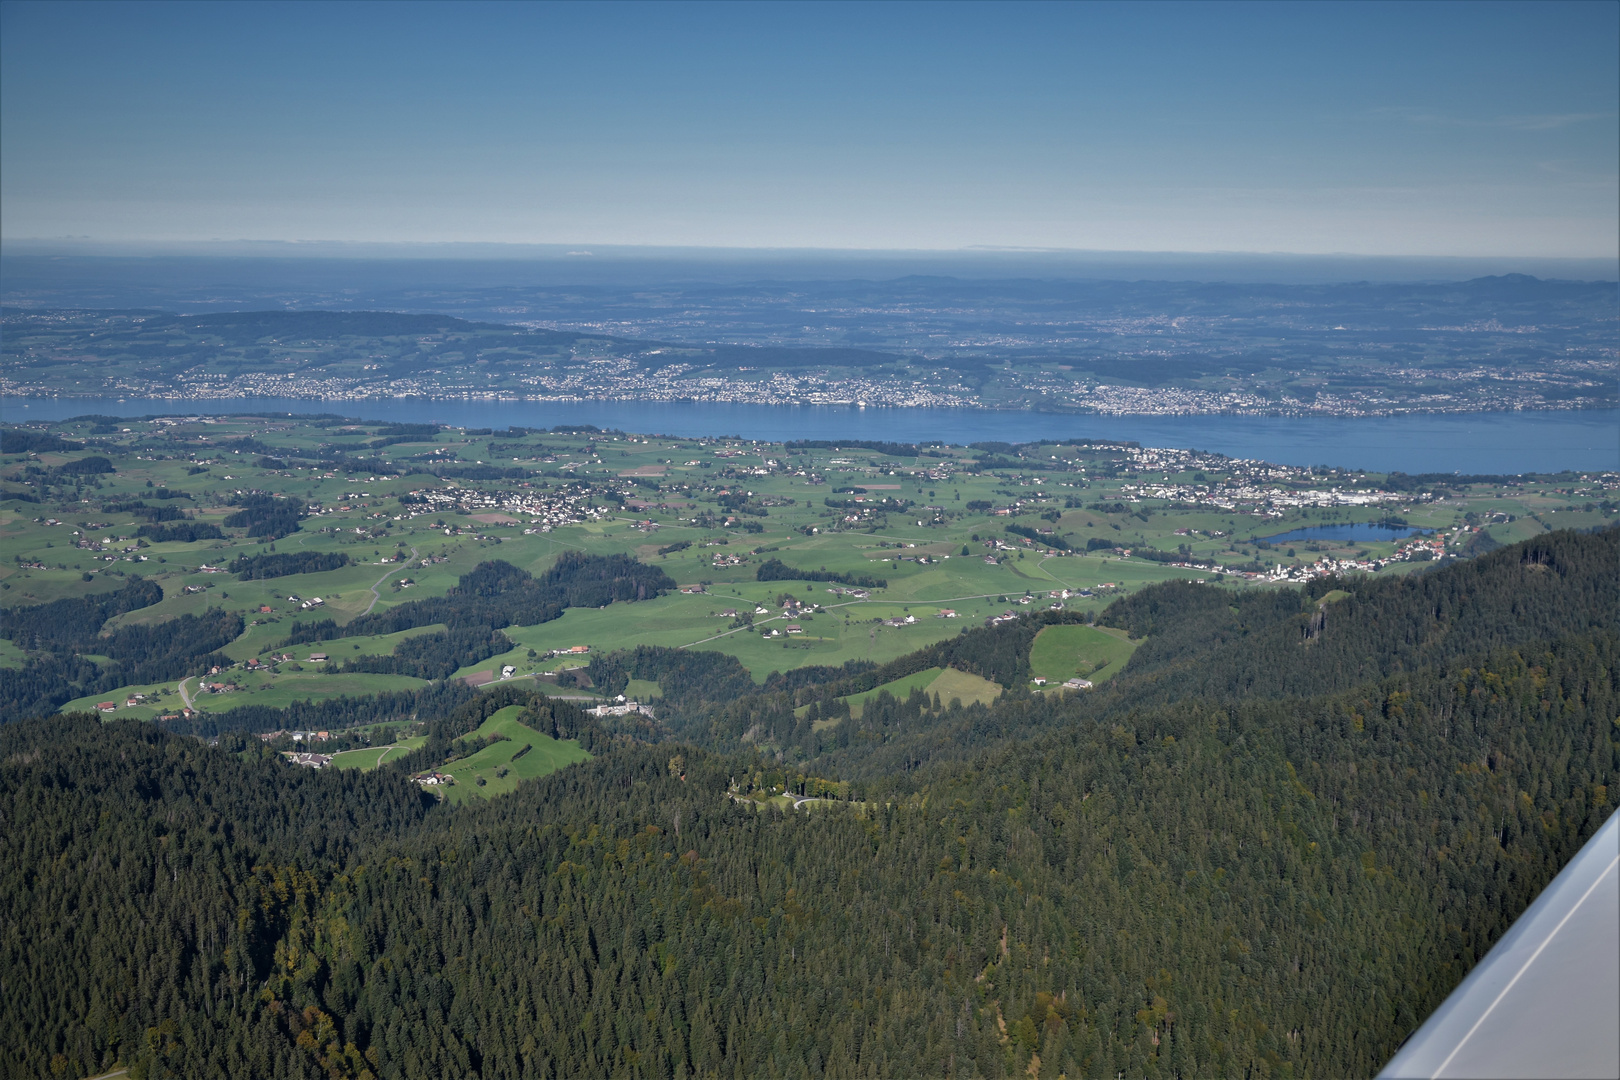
x,y
1415,129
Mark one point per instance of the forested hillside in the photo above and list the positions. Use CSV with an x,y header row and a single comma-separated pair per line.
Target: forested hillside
x,y
1203,870
1198,642
1211,642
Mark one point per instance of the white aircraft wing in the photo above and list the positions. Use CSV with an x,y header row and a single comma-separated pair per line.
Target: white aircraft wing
x,y
1545,1001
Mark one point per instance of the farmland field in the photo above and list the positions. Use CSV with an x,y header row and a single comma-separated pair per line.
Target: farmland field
x,y
969,532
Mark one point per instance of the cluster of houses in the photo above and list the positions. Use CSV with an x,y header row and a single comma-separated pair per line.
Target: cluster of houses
x,y
296,736
1416,548
1076,683
621,707
1069,594
313,761
853,594
553,507
435,779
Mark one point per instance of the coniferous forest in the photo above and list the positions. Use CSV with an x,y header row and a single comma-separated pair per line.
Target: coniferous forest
x,y
1269,847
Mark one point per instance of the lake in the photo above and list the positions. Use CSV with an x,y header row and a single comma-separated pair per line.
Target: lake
x,y
1495,442
1356,533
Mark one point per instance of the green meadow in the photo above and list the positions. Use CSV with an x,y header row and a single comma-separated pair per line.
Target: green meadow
x,y
1089,652
499,765
373,756
899,688
947,683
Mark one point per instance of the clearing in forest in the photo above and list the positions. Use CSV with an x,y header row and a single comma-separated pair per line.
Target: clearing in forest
x,y
500,764
1089,652
948,683
959,684
369,758
900,688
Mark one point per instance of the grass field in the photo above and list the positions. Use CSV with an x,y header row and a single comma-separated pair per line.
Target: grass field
x,y
899,688
276,690
158,704
1091,652
372,756
547,756
10,655
282,690
948,683
350,647
959,684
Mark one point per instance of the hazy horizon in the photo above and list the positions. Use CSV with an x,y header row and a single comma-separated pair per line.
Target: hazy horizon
x,y
1469,130
646,264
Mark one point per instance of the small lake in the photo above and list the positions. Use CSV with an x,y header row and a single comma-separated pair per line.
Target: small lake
x,y
1492,442
1352,533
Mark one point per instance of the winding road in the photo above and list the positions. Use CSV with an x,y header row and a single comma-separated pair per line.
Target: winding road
x,y
374,594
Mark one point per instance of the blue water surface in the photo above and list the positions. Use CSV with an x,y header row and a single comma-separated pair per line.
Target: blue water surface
x,y
1492,442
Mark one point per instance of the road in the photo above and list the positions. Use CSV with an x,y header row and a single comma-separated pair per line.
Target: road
x,y
374,595
185,697
384,749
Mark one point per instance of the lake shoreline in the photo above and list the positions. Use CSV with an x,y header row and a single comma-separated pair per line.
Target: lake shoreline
x,y
1487,442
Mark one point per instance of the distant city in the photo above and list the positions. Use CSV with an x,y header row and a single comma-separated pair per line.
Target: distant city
x,y
1100,348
